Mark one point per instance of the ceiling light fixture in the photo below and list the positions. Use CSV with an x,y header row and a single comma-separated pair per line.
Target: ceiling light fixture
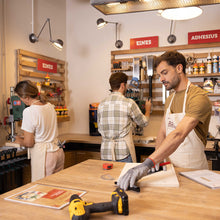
x,y
131,6
101,23
181,13
56,43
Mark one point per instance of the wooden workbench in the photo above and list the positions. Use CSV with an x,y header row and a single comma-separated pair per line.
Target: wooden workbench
x,y
87,139
85,142
190,201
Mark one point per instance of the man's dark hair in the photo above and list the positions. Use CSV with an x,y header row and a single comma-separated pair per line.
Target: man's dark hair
x,y
172,58
116,79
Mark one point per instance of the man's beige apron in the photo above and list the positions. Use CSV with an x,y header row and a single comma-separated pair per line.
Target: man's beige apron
x,y
130,144
190,153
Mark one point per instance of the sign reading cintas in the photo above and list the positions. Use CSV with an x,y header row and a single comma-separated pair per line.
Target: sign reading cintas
x,y
143,42
46,66
204,37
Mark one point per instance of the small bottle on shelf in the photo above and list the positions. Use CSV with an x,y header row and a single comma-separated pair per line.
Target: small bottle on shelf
x,y
209,64
195,68
218,65
215,64
201,68
47,80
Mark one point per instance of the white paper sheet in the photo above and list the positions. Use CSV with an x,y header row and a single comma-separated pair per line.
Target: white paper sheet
x,y
205,177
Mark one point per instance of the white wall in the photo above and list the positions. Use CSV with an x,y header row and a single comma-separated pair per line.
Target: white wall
x,y
15,27
88,52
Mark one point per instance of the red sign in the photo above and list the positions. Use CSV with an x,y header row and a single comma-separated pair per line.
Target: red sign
x,y
54,193
46,66
204,37
144,42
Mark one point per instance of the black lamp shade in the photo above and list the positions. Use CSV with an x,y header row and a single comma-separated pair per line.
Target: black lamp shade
x,y
118,44
33,38
100,21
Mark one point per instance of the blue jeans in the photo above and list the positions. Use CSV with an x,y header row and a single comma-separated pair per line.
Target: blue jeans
x,y
126,160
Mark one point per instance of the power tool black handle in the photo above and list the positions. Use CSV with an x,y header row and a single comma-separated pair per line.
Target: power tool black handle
x,y
100,207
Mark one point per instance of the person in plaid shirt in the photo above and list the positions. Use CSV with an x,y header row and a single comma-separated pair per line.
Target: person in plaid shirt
x,y
116,114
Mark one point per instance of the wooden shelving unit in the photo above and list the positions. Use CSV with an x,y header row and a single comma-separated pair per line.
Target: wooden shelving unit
x,y
203,75
158,107
27,69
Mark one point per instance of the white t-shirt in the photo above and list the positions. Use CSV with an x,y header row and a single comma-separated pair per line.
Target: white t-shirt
x,y
42,121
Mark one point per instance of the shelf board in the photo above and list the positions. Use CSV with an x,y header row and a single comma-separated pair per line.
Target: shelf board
x,y
213,94
122,69
63,119
203,75
165,48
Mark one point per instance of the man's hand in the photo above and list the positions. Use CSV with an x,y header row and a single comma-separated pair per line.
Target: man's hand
x,y
134,174
148,104
148,107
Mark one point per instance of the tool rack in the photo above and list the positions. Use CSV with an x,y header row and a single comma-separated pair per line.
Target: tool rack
x,y
124,61
27,69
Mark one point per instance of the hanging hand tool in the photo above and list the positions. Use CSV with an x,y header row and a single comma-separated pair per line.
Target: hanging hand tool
x,y
150,72
80,210
136,73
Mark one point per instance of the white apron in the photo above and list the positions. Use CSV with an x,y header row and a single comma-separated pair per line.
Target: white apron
x,y
129,142
190,153
37,154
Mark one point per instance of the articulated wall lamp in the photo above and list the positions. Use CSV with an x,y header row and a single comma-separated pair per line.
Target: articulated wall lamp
x,y
56,43
101,23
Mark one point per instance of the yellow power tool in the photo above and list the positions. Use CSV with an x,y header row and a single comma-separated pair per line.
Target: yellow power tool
x,y
80,210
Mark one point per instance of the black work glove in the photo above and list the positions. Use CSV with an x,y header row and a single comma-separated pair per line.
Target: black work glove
x,y
134,174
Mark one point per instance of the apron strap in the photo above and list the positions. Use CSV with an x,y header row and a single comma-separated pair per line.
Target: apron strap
x,y
184,102
113,150
129,142
112,144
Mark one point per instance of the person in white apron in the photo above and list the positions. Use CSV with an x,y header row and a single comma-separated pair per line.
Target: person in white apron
x,y
39,124
190,153
177,138
115,118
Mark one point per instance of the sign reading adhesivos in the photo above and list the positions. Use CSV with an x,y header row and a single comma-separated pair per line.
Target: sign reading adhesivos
x,y
204,37
46,66
143,42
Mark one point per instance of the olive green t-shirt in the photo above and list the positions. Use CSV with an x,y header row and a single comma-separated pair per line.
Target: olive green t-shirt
x,y
198,106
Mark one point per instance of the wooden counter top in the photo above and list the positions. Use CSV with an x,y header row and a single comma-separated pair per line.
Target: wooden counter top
x,y
87,139
190,201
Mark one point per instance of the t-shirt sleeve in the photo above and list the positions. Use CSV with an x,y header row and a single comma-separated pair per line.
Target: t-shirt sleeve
x,y
199,107
27,121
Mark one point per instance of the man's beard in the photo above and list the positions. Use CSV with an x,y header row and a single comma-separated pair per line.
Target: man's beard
x,y
171,85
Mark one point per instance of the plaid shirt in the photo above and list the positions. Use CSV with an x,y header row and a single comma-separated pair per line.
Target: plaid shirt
x,y
116,113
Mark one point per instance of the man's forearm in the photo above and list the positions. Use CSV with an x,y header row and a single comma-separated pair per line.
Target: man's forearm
x,y
166,147
159,140
147,112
